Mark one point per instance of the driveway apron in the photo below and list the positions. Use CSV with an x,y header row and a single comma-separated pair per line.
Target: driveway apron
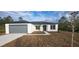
x,y
9,37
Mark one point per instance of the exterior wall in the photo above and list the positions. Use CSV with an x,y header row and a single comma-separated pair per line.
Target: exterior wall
x,y
31,27
41,27
6,28
56,27
54,30
48,27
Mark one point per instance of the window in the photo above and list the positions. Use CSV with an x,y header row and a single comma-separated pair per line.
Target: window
x,y
37,27
52,26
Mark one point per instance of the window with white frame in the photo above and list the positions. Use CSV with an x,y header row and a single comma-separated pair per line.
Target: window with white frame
x,y
37,27
52,26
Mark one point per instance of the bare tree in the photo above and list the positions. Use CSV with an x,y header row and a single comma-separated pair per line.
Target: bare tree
x,y
72,21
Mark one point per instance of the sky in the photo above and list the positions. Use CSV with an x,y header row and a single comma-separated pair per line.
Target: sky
x,y
49,16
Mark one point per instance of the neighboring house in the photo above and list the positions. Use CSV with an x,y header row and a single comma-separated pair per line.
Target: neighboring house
x,y
29,27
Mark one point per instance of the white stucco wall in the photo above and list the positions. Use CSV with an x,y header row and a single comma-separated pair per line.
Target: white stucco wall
x,y
48,27
6,28
34,27
56,27
54,30
31,28
41,28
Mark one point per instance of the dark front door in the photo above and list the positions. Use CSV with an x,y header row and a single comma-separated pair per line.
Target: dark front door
x,y
44,27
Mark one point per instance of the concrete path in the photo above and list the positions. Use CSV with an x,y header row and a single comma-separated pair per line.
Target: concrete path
x,y
9,37
46,33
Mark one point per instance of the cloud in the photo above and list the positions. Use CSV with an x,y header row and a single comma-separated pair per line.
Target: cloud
x,y
34,15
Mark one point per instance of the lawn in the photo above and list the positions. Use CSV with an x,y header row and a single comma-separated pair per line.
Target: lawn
x,y
56,39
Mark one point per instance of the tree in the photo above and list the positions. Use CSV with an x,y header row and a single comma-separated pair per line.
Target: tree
x,y
8,19
62,19
72,21
77,24
1,21
63,24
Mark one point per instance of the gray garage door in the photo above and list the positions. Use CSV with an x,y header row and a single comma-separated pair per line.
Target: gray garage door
x,y
18,29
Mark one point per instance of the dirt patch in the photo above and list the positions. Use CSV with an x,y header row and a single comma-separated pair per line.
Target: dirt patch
x,y
56,39
2,33
38,32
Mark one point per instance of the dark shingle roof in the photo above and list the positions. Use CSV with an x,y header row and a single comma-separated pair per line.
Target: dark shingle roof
x,y
34,22
20,22
42,22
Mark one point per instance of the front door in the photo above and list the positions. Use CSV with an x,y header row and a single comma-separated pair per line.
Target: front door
x,y
44,27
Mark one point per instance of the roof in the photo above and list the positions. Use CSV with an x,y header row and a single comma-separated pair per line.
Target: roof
x,y
20,22
42,22
35,22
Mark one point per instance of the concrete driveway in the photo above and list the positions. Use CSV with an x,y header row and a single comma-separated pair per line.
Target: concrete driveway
x,y
9,37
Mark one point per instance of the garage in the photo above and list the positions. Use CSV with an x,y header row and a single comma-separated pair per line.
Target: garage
x,y
18,29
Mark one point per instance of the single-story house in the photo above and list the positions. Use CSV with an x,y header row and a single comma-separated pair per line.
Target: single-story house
x,y
29,27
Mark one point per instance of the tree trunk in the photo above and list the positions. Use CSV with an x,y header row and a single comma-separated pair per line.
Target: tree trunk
x,y
72,35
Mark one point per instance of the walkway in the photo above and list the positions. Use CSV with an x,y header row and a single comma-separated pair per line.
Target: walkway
x,y
45,33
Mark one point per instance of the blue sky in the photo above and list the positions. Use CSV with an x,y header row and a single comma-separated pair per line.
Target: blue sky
x,y
34,15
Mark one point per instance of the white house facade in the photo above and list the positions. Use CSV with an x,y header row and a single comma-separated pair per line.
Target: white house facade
x,y
29,27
